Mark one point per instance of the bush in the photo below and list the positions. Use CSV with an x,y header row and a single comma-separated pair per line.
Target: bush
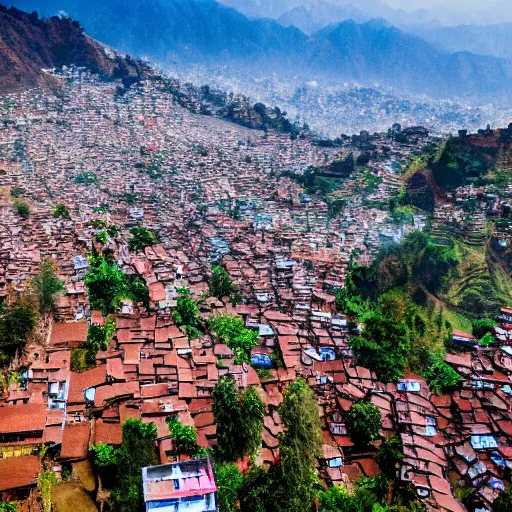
x,y
142,237
47,286
363,423
482,327
107,284
486,340
389,456
231,331
440,376
82,359
105,461
17,191
220,284
229,480
185,437
186,314
22,208
8,506
16,324
503,502
61,211
382,347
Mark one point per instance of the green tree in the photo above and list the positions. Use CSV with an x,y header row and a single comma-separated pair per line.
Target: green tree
x,y
137,451
221,284
434,265
262,490
483,326
229,480
47,286
231,331
142,237
105,461
106,284
363,423
390,456
300,445
22,208
61,211
239,419
186,314
440,376
8,506
185,437
382,347
226,410
336,499
16,323
487,340
503,503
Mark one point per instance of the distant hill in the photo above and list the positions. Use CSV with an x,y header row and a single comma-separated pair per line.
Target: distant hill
x,y
313,19
29,44
495,40
205,32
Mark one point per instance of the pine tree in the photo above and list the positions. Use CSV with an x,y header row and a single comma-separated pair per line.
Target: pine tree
x,y
300,445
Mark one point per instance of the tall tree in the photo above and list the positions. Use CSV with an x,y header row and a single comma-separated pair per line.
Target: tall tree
x,y
137,451
220,284
382,347
300,445
47,286
363,422
16,323
239,419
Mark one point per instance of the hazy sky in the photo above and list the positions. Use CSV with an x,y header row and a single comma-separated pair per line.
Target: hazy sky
x,y
455,5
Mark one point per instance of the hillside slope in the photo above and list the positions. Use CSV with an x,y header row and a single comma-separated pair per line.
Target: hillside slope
x,y
29,44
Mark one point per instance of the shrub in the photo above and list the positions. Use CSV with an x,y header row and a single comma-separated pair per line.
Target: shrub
x,y
47,286
231,331
61,211
17,191
363,423
221,284
229,480
440,376
81,360
22,208
142,237
486,340
503,503
483,326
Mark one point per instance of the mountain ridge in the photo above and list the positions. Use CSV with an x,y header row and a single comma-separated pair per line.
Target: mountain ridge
x,y
29,44
208,33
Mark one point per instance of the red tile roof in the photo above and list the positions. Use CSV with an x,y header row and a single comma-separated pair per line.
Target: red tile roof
x,y
19,472
22,418
75,441
69,332
108,433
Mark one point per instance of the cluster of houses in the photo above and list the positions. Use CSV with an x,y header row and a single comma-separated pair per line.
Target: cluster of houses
x,y
212,192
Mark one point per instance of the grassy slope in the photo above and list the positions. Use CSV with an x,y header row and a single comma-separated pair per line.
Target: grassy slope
x,y
477,268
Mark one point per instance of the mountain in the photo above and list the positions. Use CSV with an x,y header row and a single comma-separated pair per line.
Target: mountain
x,y
311,20
495,40
167,31
207,33
262,8
29,44
375,51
